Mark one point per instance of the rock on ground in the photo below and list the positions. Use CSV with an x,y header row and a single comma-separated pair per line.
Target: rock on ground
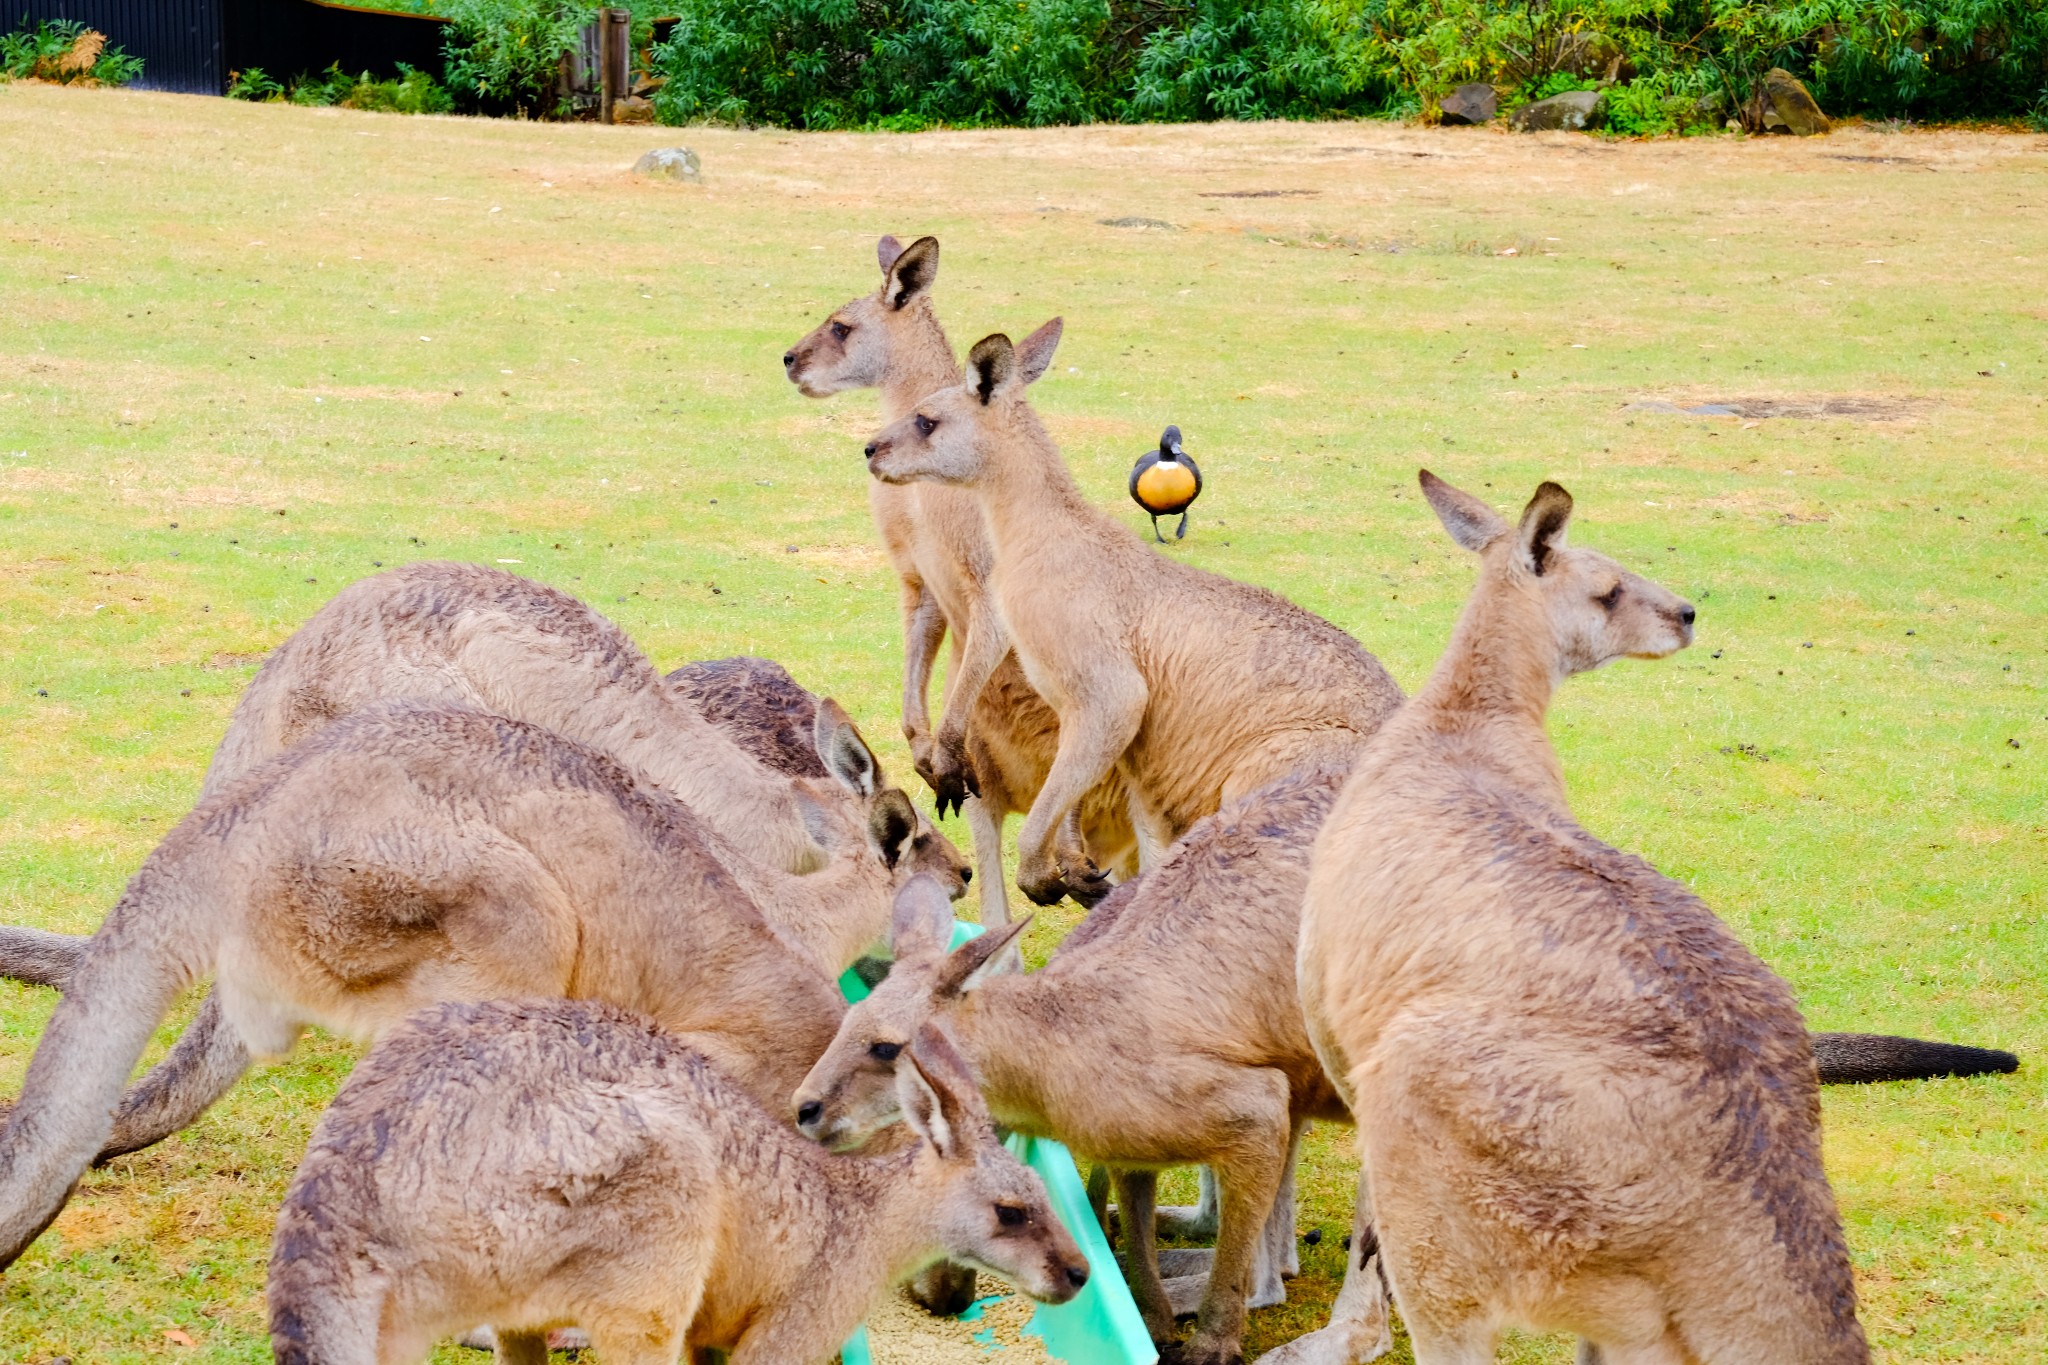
x,y
1570,112
671,163
1476,103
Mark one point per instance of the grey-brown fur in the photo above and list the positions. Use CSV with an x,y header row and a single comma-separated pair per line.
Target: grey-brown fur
x,y
1583,1104
996,736
406,855
471,635
1195,688
1165,1031
545,1163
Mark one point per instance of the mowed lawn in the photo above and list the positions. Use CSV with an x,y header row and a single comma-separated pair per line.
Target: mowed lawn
x,y
248,354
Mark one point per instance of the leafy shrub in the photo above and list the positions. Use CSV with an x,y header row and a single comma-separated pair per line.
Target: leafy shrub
x,y
64,51
1648,108
414,92
253,84
504,56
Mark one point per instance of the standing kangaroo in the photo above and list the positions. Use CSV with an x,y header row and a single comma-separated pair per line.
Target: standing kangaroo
x,y
1583,1105
407,855
1194,687
554,1162
997,737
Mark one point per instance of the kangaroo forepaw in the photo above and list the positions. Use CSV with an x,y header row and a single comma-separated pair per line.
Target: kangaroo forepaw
x,y
950,774
1088,885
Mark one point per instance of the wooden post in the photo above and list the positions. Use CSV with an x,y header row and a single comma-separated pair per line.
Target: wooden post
x,y
615,58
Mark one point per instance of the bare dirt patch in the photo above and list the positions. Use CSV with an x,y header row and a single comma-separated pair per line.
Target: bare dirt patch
x,y
1847,407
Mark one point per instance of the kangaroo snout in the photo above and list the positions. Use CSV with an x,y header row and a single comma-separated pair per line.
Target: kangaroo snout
x,y
872,449
807,1115
789,360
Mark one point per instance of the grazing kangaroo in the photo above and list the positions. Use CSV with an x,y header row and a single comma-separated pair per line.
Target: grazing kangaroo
x,y
1583,1104
543,1163
996,738
1194,687
407,855
1129,1046
468,635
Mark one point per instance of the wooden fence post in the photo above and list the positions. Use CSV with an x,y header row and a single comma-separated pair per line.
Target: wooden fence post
x,y
615,58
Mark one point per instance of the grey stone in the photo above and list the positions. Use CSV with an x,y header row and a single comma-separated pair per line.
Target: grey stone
x,y
1476,103
671,163
1569,112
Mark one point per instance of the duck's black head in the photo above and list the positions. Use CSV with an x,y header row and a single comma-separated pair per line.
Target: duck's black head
x,y
1169,443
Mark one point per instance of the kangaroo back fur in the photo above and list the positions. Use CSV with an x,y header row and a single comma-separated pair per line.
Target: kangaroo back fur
x,y
409,854
533,1164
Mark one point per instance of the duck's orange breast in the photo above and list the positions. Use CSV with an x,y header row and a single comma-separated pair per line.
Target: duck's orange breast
x,y
1166,486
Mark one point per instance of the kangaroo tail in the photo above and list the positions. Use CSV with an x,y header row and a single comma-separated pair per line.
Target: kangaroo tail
x,y
1859,1058
208,1058
325,1291
39,957
155,942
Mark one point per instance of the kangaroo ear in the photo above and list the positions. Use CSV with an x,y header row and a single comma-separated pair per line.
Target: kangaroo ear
x,y
1034,353
946,1108
990,365
1543,523
921,920
886,251
1471,522
912,272
892,824
979,958
844,753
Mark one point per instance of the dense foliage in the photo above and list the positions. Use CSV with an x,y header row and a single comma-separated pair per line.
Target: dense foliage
x,y
504,56
63,51
1672,65
412,92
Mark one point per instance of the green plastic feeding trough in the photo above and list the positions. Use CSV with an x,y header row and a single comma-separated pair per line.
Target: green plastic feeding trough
x,y
1098,1326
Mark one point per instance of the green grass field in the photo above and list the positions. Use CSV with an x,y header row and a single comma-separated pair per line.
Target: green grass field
x,y
248,354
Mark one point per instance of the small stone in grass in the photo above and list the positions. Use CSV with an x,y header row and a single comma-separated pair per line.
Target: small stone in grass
x,y
185,692
42,691
1313,1236
789,549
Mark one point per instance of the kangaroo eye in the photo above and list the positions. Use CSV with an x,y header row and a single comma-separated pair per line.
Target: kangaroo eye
x,y
1610,599
884,1052
840,331
925,425
1011,1216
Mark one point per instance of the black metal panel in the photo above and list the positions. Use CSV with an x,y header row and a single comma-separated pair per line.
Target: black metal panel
x,y
179,41
290,38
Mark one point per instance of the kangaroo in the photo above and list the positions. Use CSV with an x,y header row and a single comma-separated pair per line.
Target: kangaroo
x,y
996,737
465,634
1583,1105
470,635
1194,687
406,855
542,1163
1129,1046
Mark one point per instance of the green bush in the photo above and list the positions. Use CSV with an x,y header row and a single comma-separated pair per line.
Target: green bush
x,y
910,64
413,92
253,84
65,51
504,56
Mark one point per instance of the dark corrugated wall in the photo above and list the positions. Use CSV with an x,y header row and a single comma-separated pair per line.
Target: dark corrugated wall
x,y
192,45
179,41
290,38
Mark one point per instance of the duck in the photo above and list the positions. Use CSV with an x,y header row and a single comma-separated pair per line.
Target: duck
x,y
1165,481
